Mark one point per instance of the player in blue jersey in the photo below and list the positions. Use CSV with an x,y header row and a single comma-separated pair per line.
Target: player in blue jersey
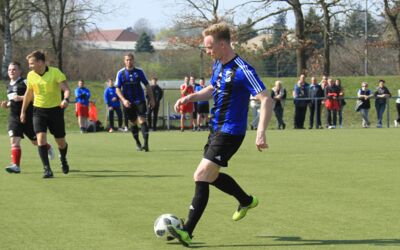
x,y
232,82
82,96
130,92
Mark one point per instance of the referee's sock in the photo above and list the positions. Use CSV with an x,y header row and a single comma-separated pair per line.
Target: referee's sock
x,y
63,152
227,184
135,133
198,205
43,153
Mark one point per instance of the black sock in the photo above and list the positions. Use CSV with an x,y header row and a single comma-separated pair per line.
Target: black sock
x,y
135,133
198,205
43,153
145,132
63,152
227,184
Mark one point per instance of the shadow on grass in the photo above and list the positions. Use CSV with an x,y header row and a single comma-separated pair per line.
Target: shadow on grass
x,y
122,176
286,241
103,171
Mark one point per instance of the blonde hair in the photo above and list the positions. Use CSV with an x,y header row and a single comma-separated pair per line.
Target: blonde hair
x,y
219,31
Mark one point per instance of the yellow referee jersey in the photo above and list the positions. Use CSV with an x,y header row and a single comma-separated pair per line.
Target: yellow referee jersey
x,y
46,88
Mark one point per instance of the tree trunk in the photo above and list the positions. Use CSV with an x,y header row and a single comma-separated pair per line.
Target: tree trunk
x,y
327,36
299,30
7,39
393,21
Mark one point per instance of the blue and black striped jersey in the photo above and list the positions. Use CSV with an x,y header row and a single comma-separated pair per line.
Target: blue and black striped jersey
x,y
233,84
129,83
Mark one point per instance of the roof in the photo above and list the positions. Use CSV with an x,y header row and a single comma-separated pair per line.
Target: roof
x,y
111,35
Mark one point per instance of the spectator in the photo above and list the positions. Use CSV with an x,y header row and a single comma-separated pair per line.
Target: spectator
x,y
111,99
396,122
331,103
255,108
300,93
315,94
342,102
82,96
323,82
203,107
381,94
278,94
186,89
158,93
192,81
363,103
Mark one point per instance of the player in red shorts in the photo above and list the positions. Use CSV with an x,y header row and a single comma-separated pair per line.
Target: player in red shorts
x,y
186,89
82,95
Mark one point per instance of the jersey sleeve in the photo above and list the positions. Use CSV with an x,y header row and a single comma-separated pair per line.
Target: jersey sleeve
x,y
143,78
60,76
252,82
118,81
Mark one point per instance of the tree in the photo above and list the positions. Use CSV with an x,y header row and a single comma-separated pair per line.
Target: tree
x,y
61,18
143,25
392,11
143,44
10,11
246,31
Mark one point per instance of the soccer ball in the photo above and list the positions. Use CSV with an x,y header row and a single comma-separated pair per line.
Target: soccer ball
x,y
161,223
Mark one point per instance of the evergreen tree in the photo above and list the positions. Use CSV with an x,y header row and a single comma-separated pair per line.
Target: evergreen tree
x,y
246,31
143,44
314,29
355,25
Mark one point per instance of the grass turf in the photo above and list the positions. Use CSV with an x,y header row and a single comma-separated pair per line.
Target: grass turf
x,y
319,189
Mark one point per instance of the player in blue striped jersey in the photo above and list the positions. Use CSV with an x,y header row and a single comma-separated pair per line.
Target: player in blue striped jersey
x,y
129,90
232,82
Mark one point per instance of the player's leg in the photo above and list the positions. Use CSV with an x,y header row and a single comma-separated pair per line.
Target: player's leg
x,y
205,173
182,111
119,116
141,112
57,129
40,123
131,115
15,155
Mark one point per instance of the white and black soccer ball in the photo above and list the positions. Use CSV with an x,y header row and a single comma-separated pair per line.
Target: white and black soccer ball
x,y
161,223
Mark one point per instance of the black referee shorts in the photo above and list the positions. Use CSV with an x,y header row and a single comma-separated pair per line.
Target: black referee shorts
x,y
49,118
135,110
17,129
221,147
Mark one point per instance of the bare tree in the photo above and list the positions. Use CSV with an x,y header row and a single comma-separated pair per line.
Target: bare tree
x,y
392,10
61,17
10,11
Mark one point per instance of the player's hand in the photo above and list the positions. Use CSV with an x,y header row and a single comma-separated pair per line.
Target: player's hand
x,y
110,108
261,141
178,103
114,99
3,104
64,104
126,103
22,117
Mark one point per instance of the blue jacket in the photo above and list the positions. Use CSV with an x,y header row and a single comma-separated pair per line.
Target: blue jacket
x,y
82,96
109,94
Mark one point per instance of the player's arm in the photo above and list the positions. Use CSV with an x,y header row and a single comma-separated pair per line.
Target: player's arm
x,y
65,88
202,95
151,96
4,104
125,102
265,117
28,97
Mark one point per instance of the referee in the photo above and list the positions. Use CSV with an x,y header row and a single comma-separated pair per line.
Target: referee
x,y
233,80
16,130
46,83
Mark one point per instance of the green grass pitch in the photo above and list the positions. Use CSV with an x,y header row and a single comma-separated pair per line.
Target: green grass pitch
x,y
319,189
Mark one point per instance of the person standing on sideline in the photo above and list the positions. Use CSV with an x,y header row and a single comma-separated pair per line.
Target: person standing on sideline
x,y
82,96
331,103
363,103
186,89
342,102
158,94
278,95
130,92
315,94
397,121
381,95
46,83
16,130
192,81
233,81
113,104
203,107
300,93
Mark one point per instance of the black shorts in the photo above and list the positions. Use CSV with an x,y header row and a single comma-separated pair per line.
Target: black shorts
x,y
51,118
17,129
203,108
135,110
221,147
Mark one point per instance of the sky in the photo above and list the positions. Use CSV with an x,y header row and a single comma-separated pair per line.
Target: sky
x,y
160,13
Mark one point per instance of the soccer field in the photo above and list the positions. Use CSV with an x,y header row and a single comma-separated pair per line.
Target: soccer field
x,y
319,189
